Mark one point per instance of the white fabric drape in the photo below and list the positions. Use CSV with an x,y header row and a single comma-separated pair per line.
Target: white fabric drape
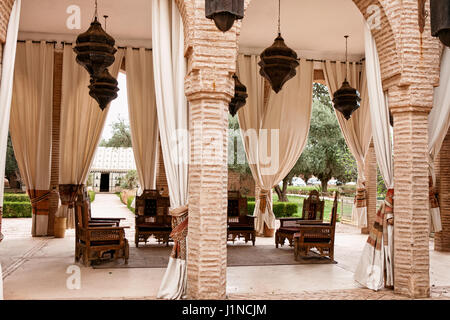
x,y
31,120
357,131
370,270
438,124
169,71
6,88
82,123
142,111
274,130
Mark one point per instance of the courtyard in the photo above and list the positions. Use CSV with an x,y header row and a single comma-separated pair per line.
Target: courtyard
x,y
36,268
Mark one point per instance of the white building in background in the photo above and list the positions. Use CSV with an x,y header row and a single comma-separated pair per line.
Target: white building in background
x,y
110,164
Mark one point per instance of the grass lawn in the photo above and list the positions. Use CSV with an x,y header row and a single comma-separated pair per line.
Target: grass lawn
x,y
327,210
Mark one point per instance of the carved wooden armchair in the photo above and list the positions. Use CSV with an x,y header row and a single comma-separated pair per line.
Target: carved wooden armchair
x,y
319,236
312,212
240,223
152,217
97,241
114,222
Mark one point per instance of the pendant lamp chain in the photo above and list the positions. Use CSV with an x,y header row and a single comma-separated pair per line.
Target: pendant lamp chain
x,y
279,17
346,56
96,10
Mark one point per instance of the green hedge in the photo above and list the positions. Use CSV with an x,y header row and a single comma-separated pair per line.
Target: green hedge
x,y
17,209
91,196
16,197
129,202
280,209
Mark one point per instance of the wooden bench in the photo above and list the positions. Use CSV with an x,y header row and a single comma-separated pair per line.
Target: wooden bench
x,y
152,217
239,223
312,212
319,236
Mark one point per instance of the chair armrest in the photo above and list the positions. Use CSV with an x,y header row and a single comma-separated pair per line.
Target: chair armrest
x,y
110,219
106,228
250,216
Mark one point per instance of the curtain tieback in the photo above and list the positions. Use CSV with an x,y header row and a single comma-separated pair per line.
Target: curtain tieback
x,y
263,195
180,211
35,198
361,198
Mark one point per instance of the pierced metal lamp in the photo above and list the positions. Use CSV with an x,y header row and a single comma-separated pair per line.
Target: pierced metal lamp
x,y
347,99
224,12
240,96
278,62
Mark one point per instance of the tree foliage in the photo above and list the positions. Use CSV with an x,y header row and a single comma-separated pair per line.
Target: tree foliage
x,y
130,180
11,167
121,135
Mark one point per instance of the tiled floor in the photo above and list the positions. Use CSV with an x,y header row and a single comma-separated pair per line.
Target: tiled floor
x,y
36,268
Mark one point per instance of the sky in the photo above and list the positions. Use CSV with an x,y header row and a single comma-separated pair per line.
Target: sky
x,y
118,108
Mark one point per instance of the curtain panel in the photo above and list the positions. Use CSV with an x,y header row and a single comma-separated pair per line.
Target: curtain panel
x,y
169,66
6,88
357,131
438,124
82,123
31,125
375,268
142,112
274,130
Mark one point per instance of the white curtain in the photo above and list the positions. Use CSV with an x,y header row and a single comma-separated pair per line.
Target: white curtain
x,y
82,123
169,71
374,262
31,125
6,88
142,111
274,130
438,124
357,131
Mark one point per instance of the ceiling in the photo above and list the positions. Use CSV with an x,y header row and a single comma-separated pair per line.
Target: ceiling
x,y
314,28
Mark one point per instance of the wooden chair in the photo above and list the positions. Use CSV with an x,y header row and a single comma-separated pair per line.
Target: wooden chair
x,y
312,212
152,217
319,236
95,241
240,223
114,222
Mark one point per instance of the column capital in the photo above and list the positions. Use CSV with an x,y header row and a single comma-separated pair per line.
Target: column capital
x,y
411,99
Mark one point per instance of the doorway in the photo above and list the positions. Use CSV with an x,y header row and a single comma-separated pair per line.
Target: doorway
x,y
104,182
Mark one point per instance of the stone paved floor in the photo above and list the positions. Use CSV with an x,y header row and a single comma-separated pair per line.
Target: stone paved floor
x,y
35,268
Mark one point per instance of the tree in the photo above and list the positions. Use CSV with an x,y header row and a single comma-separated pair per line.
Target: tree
x,y
11,168
121,135
130,180
326,154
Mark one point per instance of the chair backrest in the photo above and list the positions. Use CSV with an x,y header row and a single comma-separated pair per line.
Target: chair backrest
x,y
237,205
313,207
334,210
82,210
146,203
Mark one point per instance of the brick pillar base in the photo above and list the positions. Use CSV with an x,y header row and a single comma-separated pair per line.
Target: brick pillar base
x,y
411,203
442,169
370,171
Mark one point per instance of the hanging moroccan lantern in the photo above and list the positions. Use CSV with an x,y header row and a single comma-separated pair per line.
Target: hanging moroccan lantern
x,y
346,99
278,62
95,49
240,96
224,12
440,20
104,89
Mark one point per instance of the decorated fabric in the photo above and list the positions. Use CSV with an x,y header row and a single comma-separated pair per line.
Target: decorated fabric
x,y
40,204
359,210
435,212
375,268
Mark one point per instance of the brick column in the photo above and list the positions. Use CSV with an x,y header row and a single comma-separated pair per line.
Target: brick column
x,y
56,116
442,169
209,88
370,172
411,202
